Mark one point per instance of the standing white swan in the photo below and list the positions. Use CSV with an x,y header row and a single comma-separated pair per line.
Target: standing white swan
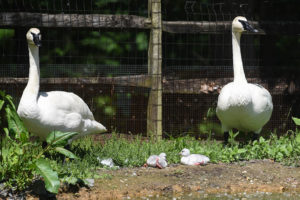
x,y
242,105
44,112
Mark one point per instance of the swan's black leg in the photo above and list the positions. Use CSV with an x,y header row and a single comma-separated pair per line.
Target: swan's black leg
x,y
44,144
68,147
255,136
226,136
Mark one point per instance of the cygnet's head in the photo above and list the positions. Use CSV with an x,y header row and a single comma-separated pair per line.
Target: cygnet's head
x,y
163,155
240,24
34,37
185,152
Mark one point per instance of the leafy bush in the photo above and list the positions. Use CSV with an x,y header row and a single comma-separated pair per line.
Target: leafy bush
x,y
22,159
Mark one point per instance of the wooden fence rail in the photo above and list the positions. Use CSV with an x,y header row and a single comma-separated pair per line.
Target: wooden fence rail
x,y
27,19
169,85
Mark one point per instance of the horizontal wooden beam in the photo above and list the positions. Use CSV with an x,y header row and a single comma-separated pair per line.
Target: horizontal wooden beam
x,y
201,26
25,19
194,26
169,85
214,85
134,80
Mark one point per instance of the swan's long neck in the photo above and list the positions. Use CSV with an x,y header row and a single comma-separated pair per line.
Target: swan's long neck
x,y
238,69
32,88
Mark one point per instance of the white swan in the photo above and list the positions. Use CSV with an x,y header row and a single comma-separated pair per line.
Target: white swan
x,y
44,112
242,105
157,161
192,159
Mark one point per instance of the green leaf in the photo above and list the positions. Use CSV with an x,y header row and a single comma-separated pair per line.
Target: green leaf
x,y
9,99
296,120
15,124
50,177
240,151
298,139
65,152
1,104
70,180
261,140
7,133
58,138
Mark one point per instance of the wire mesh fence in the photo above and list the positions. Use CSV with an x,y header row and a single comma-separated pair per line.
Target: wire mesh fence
x,y
100,51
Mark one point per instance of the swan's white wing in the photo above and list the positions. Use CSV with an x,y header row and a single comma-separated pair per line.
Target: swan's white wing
x,y
65,102
65,112
262,106
197,158
261,98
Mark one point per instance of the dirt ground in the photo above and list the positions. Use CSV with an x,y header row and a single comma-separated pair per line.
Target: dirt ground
x,y
148,183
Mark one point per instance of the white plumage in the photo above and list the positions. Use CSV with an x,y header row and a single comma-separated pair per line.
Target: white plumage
x,y
192,159
157,161
44,112
242,105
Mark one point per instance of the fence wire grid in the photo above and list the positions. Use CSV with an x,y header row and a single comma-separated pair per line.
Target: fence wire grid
x,y
99,50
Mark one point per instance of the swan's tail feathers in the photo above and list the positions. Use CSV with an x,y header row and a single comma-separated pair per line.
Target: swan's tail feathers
x,y
99,127
89,127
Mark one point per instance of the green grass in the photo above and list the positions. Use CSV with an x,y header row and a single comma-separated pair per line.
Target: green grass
x,y
134,153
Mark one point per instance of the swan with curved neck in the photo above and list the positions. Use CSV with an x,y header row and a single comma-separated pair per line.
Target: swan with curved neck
x,y
242,105
44,112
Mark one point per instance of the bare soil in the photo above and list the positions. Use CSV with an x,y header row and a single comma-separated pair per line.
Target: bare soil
x,y
142,183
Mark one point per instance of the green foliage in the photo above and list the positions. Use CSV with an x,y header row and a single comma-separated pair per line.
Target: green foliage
x,y
6,34
22,159
296,121
208,126
105,103
50,177
65,152
57,138
135,152
141,41
16,149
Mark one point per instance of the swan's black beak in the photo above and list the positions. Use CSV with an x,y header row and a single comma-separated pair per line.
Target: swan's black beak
x,y
36,39
247,26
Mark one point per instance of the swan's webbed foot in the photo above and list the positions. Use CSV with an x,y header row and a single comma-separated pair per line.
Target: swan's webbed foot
x,y
199,163
157,164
